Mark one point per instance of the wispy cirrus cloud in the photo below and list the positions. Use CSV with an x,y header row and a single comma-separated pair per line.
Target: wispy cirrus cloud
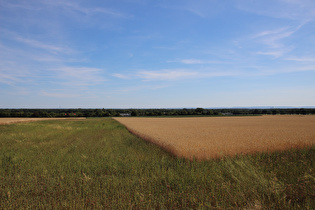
x,y
36,51
12,69
44,46
122,76
78,76
74,6
66,5
285,70
191,61
270,32
189,74
302,10
275,53
15,5
274,42
87,14
166,74
8,79
175,74
279,42
58,95
200,8
301,59
273,38
194,61
35,42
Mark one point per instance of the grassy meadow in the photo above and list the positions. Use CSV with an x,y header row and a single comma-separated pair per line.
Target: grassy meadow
x,y
97,163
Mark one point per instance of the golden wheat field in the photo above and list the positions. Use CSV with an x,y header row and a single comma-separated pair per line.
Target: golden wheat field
x,y
18,120
213,137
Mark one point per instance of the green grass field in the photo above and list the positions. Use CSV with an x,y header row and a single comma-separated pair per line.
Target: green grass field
x,y
97,163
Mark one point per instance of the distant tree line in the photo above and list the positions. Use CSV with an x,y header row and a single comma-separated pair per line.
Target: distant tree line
x,y
149,112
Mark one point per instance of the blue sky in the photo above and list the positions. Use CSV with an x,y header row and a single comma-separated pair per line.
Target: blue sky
x,y
156,54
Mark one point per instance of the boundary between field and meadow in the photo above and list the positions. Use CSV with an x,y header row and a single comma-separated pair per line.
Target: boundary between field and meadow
x,y
166,147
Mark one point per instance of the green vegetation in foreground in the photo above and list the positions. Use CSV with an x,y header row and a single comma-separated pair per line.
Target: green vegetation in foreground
x,y
98,163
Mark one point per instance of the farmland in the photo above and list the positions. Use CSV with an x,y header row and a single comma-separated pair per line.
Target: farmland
x,y
97,163
208,137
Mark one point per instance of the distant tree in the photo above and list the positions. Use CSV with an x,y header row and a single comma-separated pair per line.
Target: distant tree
x,y
264,111
98,113
184,112
275,111
303,111
257,111
134,113
210,112
36,114
236,112
199,111
216,113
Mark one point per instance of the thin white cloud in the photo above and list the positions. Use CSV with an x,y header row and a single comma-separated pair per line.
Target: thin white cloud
x,y
47,58
79,72
175,74
273,38
44,13
302,10
191,61
270,32
29,42
282,70
44,46
11,5
301,59
20,91
274,42
186,74
8,79
200,8
59,95
74,6
52,54
196,11
67,5
274,53
12,70
121,76
195,61
79,76
165,74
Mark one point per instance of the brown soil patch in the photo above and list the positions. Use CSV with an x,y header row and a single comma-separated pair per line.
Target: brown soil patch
x,y
18,120
213,137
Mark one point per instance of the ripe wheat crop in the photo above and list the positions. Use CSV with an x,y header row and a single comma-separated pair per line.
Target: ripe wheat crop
x,y
213,137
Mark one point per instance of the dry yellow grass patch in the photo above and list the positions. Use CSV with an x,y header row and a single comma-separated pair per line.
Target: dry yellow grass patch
x,y
17,120
211,137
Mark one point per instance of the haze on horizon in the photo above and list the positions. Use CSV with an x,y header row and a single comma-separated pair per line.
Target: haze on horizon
x,y
156,54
